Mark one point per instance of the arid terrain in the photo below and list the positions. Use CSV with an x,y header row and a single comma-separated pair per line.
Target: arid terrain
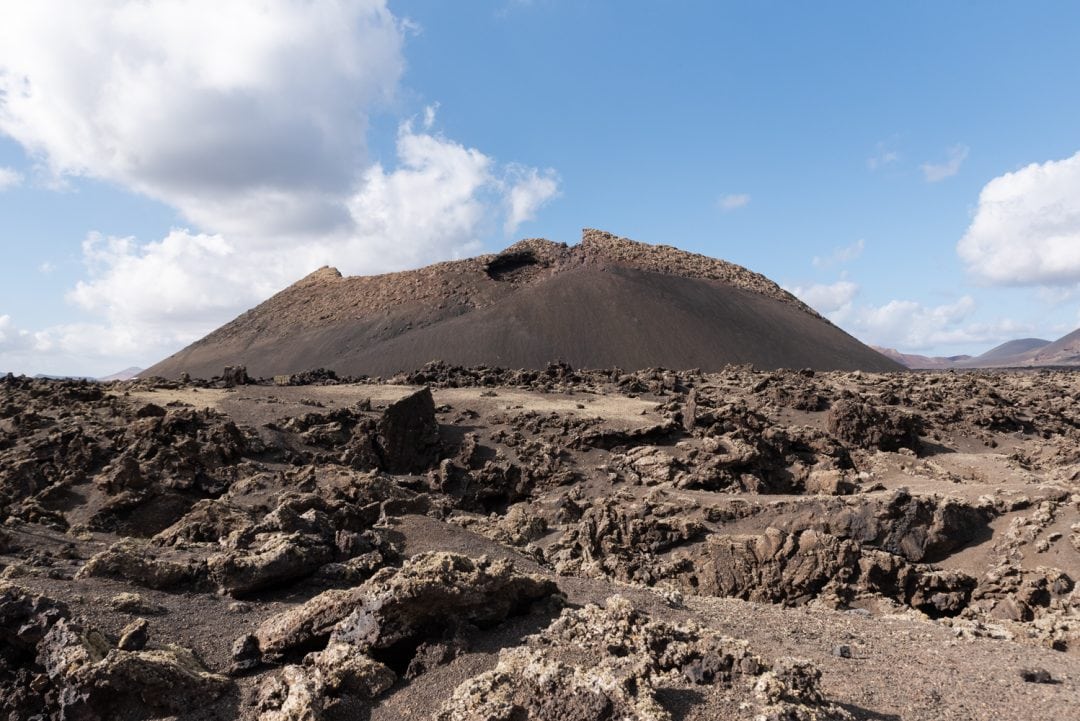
x,y
478,544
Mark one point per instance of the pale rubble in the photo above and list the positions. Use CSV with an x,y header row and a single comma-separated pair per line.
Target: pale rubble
x,y
610,662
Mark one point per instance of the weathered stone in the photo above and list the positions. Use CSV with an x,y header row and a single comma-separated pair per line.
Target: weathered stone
x,y
606,663
134,636
407,603
280,559
138,563
866,426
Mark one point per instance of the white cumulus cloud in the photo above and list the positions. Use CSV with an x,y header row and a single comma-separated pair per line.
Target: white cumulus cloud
x,y
158,296
1026,228
906,325
936,172
224,109
909,326
11,338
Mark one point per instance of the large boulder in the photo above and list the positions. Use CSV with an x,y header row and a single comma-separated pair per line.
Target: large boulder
x,y
408,434
866,426
412,602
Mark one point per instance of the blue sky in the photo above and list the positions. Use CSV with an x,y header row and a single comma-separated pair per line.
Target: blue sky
x,y
910,169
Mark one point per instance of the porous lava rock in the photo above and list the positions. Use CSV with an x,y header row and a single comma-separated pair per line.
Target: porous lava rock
x,y
865,426
52,666
610,663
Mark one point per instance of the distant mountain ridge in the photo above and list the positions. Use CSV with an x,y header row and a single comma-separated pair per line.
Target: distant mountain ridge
x,y
1018,353
124,375
606,302
920,362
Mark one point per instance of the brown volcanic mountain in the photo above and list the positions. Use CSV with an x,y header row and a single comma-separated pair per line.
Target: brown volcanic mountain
x,y
921,362
1065,351
606,302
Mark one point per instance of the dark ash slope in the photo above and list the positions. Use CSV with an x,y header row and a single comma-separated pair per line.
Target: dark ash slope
x,y
605,302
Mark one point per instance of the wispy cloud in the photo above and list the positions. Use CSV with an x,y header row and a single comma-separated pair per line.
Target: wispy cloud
x,y
827,298
845,254
935,172
884,154
733,201
9,178
529,190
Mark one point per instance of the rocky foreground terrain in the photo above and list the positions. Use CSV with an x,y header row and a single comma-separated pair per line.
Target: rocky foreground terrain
x,y
485,545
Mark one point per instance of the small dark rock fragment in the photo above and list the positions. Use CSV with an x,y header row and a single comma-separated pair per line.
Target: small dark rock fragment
x,y
134,636
1036,675
150,410
245,654
235,376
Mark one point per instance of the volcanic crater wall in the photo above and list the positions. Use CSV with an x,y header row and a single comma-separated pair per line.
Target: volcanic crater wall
x,y
606,302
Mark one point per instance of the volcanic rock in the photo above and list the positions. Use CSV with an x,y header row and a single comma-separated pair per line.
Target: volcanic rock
x,y
607,663
395,540
399,605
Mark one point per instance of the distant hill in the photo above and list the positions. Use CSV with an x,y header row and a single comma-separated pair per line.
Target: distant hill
x,y
1010,353
124,375
921,362
606,302
1019,353
1063,351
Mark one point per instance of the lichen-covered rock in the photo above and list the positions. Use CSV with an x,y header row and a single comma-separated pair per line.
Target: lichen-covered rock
x,y
396,609
517,528
795,568
622,541
138,684
431,588
774,566
296,694
919,528
400,604
347,670
282,558
607,663
141,564
307,692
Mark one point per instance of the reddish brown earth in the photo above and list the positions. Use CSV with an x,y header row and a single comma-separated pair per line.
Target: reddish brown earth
x,y
554,544
606,302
